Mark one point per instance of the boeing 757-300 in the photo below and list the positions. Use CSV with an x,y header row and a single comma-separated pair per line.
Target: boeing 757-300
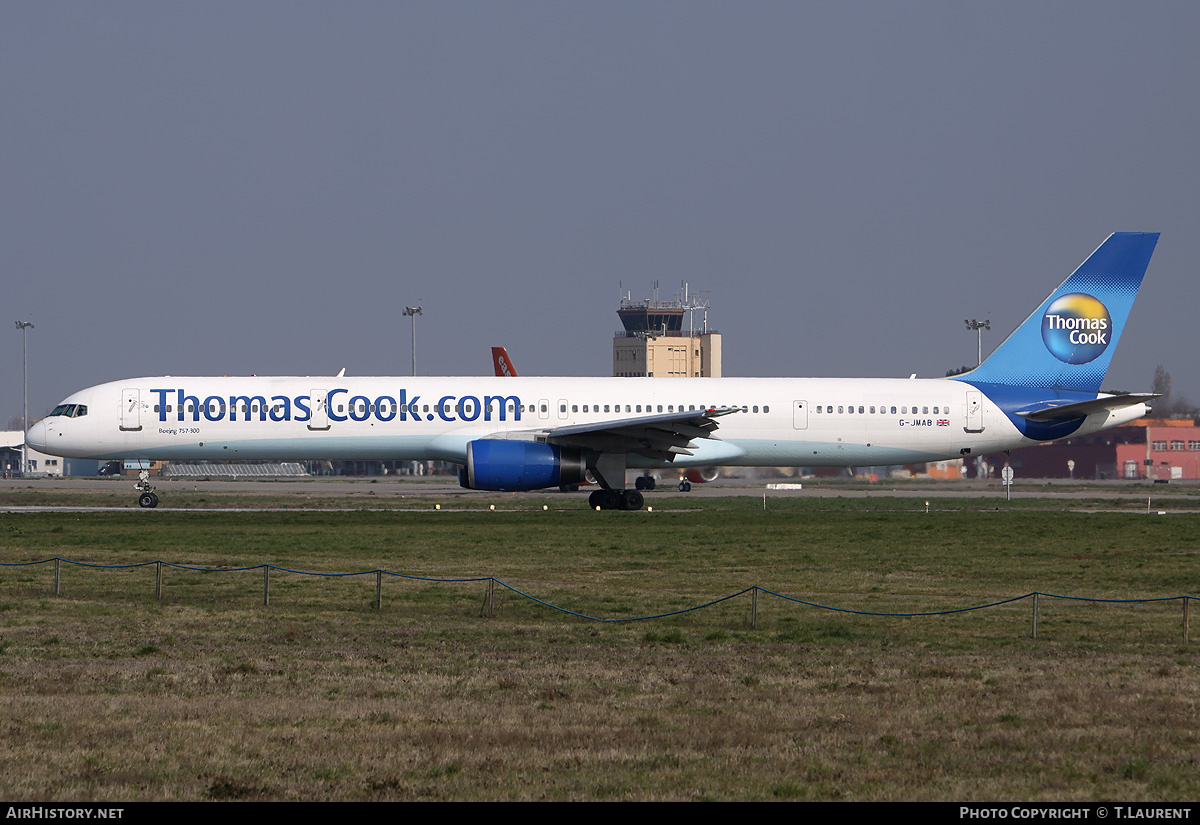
x,y
515,433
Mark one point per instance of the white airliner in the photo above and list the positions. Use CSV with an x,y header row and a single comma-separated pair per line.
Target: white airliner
x,y
515,433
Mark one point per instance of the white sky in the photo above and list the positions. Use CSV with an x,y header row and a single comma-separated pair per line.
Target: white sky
x,y
232,187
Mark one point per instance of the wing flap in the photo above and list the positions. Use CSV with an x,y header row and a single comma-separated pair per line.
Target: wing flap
x,y
661,436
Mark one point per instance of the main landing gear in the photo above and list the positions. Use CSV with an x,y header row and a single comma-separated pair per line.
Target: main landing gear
x,y
616,500
146,495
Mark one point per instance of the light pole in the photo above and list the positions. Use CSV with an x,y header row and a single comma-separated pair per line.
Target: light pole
x,y
24,326
979,327
413,312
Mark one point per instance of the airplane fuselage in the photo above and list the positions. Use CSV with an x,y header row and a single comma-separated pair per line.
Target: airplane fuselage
x,y
780,421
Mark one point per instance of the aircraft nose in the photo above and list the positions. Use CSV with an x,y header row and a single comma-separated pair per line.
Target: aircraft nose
x,y
38,436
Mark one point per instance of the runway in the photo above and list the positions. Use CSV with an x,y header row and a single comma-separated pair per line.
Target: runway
x,y
335,487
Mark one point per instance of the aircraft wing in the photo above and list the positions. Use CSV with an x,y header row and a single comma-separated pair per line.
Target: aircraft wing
x,y
1053,411
659,437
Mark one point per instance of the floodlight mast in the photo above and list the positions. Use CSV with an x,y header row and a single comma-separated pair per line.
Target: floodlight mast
x,y
24,326
978,327
413,312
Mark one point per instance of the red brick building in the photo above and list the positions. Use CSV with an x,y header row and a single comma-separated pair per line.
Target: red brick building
x,y
1163,448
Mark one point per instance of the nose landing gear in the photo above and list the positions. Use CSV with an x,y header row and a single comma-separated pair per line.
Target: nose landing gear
x,y
146,495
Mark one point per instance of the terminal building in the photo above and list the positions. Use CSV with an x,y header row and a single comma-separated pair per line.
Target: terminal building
x,y
655,343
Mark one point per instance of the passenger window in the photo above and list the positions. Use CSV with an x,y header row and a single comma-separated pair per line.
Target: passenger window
x,y
766,409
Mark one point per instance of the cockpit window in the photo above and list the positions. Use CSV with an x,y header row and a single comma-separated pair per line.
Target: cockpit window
x,y
70,410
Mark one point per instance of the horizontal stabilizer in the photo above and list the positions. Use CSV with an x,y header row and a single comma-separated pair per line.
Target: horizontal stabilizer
x,y
1054,411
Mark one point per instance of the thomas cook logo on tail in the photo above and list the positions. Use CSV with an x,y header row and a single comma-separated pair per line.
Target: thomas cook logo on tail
x,y
1077,328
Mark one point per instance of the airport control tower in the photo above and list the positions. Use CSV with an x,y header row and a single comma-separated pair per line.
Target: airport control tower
x,y
656,341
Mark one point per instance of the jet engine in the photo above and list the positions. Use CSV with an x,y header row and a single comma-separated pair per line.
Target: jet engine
x,y
496,464
702,475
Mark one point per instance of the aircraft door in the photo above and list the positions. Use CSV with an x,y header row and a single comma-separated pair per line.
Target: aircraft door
x,y
131,410
800,415
544,408
974,412
562,408
320,410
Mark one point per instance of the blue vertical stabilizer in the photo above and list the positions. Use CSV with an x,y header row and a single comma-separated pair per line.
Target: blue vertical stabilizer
x,y
1068,341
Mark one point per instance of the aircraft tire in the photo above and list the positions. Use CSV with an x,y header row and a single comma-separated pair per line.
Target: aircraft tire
x,y
685,486
631,500
147,500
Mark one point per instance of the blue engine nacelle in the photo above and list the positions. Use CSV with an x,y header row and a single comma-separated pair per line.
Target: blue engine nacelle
x,y
496,464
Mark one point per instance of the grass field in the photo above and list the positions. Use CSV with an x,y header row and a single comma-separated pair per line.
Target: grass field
x,y
108,694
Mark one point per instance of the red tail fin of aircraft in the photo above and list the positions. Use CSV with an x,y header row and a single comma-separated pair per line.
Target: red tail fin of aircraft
x,y
502,363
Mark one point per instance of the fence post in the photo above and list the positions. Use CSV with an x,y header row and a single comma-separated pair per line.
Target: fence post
x,y
57,579
158,581
1186,599
489,600
1035,614
754,608
378,589
266,585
